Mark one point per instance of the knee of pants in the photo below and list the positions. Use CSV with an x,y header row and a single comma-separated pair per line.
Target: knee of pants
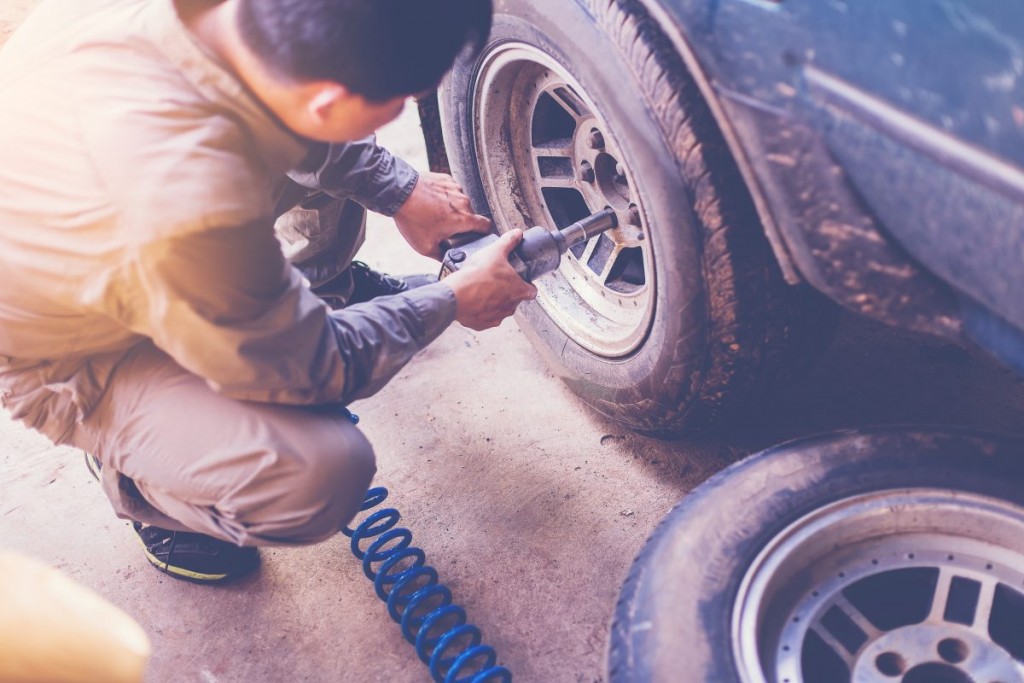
x,y
312,490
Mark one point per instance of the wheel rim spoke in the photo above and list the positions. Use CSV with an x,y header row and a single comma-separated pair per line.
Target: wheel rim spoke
x,y
976,614
569,101
848,658
588,252
558,181
941,599
983,612
847,625
857,617
604,269
554,150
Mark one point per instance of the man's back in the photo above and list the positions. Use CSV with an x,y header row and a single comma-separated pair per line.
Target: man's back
x,y
118,134
52,206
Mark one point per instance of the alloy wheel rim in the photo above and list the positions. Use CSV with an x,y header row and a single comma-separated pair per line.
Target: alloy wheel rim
x,y
547,157
911,586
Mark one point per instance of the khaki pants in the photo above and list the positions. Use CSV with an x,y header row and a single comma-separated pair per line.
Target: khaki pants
x,y
180,456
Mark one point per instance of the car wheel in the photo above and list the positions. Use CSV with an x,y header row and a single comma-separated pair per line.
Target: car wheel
x,y
677,316
882,556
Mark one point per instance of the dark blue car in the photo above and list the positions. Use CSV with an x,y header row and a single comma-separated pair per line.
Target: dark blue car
x,y
759,154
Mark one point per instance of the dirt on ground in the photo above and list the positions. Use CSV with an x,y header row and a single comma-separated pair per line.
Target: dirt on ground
x,y
530,505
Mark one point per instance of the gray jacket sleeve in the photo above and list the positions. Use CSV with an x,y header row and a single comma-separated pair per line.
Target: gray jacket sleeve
x,y
361,171
227,306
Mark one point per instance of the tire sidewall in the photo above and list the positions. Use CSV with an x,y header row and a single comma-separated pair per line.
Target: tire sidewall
x,y
670,362
686,580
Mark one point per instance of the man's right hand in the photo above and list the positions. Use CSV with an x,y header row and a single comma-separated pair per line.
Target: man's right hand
x,y
487,289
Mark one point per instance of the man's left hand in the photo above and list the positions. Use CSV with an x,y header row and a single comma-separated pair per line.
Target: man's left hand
x,y
436,210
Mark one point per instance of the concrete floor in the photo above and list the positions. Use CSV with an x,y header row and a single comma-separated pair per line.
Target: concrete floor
x,y
529,504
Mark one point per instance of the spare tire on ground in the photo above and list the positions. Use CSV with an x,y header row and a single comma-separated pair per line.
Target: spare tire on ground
x,y
877,555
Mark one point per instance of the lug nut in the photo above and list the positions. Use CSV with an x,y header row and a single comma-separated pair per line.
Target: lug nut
x,y
596,140
634,218
587,172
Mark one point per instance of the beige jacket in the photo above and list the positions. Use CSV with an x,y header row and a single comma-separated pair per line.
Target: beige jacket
x,y
136,188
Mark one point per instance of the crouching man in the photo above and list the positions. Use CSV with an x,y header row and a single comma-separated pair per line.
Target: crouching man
x,y
149,312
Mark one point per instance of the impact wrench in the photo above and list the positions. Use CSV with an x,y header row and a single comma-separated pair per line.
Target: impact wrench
x,y
540,251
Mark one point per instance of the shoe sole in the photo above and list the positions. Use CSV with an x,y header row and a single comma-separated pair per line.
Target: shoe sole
x,y
180,572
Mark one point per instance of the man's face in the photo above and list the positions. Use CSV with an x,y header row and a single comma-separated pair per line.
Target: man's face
x,y
341,116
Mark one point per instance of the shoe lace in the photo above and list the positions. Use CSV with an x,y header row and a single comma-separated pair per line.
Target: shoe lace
x,y
170,549
171,543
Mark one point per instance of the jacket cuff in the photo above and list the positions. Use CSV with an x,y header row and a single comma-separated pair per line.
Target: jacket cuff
x,y
396,184
435,306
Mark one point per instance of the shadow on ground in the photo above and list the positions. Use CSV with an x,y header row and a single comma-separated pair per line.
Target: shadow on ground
x,y
867,374
872,374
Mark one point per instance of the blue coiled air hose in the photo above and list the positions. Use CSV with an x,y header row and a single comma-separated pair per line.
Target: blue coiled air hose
x,y
418,602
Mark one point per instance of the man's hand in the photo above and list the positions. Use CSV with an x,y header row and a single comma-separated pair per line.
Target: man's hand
x,y
436,210
487,288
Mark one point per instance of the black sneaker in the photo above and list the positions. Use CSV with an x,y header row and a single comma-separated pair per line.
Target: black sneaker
x,y
189,556
195,557
369,284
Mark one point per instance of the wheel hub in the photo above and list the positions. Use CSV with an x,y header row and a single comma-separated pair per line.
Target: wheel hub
x,y
930,653
612,181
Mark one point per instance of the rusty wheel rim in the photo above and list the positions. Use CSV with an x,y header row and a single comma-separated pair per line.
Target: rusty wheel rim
x,y
547,157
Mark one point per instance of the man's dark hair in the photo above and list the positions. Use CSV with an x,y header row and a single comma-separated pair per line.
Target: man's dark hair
x,y
380,49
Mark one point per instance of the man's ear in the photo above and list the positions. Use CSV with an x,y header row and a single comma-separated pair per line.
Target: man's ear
x,y
325,97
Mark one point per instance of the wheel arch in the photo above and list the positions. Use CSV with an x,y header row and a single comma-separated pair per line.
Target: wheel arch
x,y
673,26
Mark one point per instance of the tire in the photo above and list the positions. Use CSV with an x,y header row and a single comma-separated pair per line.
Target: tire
x,y
693,609
719,316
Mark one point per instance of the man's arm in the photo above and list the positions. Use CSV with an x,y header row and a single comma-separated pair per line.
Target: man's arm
x,y
428,208
227,306
361,171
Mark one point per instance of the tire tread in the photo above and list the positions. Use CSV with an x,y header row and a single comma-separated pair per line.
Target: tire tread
x,y
748,312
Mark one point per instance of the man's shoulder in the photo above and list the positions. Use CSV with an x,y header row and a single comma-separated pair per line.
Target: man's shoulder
x,y
168,151
169,158
177,169
69,36
103,58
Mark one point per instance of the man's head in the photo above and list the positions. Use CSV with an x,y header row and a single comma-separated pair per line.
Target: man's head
x,y
343,68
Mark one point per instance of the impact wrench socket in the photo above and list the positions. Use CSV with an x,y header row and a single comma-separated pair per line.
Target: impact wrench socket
x,y
540,251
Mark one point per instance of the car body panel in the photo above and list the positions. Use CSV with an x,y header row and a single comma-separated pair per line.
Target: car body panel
x,y
956,65
887,142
